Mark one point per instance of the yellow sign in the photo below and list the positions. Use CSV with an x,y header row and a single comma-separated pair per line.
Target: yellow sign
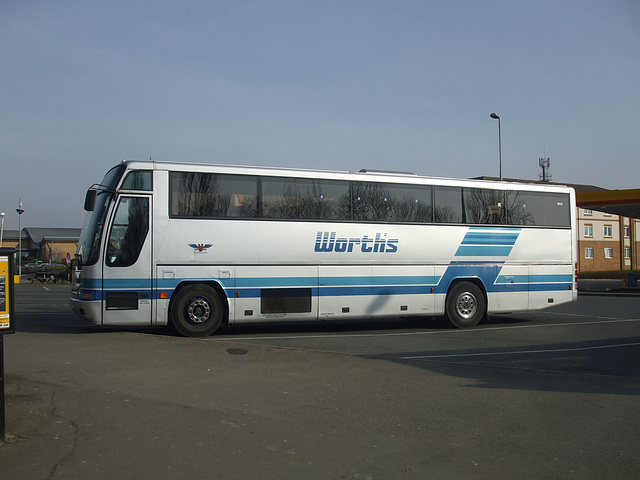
x,y
5,294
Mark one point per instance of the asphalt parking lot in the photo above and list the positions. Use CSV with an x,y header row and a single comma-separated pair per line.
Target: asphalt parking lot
x,y
553,394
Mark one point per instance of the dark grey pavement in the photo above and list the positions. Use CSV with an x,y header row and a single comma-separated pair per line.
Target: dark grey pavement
x,y
546,395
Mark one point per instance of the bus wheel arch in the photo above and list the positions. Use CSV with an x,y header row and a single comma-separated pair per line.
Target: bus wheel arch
x,y
466,302
198,309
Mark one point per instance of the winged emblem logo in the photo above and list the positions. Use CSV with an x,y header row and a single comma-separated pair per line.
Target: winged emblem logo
x,y
200,247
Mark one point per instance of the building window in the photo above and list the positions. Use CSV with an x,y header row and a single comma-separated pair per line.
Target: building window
x,y
608,253
588,230
588,211
588,252
627,252
627,232
608,231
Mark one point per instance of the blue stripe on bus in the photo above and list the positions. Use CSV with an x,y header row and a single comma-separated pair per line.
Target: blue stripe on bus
x,y
489,273
390,280
489,238
270,282
488,242
483,251
99,295
529,279
347,291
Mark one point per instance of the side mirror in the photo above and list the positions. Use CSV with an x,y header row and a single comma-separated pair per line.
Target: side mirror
x,y
90,200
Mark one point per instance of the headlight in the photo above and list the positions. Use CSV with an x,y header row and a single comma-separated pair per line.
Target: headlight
x,y
86,295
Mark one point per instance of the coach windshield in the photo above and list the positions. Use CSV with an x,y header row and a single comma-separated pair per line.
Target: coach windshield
x,y
89,244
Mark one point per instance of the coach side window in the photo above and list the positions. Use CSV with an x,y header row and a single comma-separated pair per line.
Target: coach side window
x,y
448,205
305,199
483,206
211,195
546,209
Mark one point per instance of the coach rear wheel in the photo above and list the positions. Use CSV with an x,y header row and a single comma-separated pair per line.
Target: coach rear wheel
x,y
196,311
466,305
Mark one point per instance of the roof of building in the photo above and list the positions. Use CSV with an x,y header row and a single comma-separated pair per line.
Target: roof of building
x,y
40,235
625,203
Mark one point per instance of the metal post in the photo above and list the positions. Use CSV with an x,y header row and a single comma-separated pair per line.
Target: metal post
x,y
497,117
6,320
3,432
20,211
1,228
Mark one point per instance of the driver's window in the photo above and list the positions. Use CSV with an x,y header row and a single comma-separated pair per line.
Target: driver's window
x,y
128,232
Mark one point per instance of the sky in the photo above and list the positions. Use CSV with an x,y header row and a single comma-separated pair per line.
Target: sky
x,y
404,85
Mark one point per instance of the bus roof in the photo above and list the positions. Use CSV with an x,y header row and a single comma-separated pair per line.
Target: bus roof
x,y
361,175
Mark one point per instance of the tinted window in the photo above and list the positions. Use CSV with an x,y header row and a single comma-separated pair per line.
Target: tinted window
x,y
448,205
412,203
243,196
91,237
372,202
483,206
128,232
213,195
390,202
138,180
305,199
538,208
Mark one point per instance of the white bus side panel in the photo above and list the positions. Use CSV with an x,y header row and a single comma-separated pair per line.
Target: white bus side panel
x,y
548,285
361,270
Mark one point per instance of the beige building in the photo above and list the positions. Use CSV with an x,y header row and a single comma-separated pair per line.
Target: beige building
x,y
607,241
46,244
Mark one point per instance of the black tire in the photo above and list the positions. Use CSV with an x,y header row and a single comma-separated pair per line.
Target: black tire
x,y
466,305
196,311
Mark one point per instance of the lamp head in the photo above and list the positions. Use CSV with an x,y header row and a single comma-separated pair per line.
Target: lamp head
x,y
495,115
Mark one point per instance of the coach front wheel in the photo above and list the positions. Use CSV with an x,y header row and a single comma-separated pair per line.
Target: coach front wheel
x,y
196,311
466,305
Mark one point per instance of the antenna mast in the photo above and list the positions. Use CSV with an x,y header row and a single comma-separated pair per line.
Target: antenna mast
x,y
545,163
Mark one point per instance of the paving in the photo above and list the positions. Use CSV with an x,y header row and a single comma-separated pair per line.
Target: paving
x,y
89,402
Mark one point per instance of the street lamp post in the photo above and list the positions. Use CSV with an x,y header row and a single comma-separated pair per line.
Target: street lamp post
x,y
20,211
497,117
1,227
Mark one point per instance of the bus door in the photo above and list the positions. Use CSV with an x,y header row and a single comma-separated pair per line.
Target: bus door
x,y
126,270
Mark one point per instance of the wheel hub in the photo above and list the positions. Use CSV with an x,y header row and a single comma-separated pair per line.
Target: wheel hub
x,y
198,310
466,305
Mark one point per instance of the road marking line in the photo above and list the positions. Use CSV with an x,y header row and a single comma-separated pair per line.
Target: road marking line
x,y
430,332
523,352
567,314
